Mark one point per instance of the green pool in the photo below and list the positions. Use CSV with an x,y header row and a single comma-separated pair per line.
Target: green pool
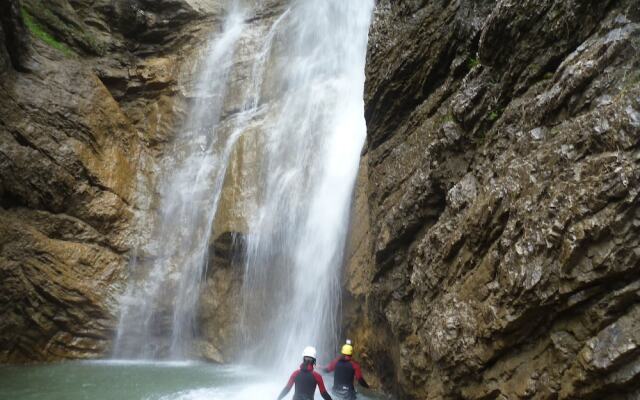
x,y
124,380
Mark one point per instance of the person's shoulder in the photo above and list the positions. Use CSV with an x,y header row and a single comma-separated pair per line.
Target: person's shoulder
x,y
317,375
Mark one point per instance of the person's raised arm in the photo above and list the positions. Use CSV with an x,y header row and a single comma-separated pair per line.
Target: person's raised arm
x,y
331,366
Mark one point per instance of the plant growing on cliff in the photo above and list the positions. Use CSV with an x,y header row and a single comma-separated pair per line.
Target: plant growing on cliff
x,y
493,116
50,20
473,62
38,31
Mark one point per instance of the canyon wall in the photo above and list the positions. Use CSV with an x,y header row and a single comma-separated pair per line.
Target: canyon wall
x,y
89,92
495,249
494,246
93,97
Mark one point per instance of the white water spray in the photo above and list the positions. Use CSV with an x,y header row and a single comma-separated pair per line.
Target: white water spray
x,y
296,239
304,96
158,309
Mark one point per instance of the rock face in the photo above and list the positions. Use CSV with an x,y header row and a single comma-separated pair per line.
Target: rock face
x,y
88,92
93,96
221,303
495,252
495,244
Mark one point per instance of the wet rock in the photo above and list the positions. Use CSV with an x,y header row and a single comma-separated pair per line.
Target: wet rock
x,y
78,147
13,35
207,351
501,201
220,303
60,283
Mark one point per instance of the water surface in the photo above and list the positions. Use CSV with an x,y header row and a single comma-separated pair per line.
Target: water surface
x,y
123,380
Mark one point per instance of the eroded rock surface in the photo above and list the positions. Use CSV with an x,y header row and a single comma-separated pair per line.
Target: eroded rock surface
x,y
88,91
94,95
221,304
496,247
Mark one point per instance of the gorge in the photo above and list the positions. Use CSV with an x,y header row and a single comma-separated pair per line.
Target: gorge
x,y
207,151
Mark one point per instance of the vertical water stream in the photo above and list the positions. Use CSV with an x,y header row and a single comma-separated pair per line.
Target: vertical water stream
x,y
304,96
158,309
291,289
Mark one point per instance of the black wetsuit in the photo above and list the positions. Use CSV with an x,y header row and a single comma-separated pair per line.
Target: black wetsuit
x,y
345,370
305,380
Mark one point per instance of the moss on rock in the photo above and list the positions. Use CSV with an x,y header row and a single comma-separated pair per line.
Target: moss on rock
x,y
39,31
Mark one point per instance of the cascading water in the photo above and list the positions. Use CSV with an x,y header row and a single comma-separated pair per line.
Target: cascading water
x,y
310,160
158,308
303,96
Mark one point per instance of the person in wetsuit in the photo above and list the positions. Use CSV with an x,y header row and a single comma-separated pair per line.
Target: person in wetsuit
x,y
306,379
345,370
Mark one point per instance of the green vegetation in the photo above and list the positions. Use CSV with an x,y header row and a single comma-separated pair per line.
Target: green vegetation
x,y
631,80
442,119
493,115
480,136
473,62
47,20
38,31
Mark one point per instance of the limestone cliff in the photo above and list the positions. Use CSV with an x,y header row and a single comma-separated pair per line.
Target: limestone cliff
x,y
93,96
88,90
495,252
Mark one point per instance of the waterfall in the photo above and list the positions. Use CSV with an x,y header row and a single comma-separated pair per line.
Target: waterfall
x,y
291,288
158,309
303,96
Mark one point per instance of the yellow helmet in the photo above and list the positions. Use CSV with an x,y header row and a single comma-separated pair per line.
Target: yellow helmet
x,y
347,350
